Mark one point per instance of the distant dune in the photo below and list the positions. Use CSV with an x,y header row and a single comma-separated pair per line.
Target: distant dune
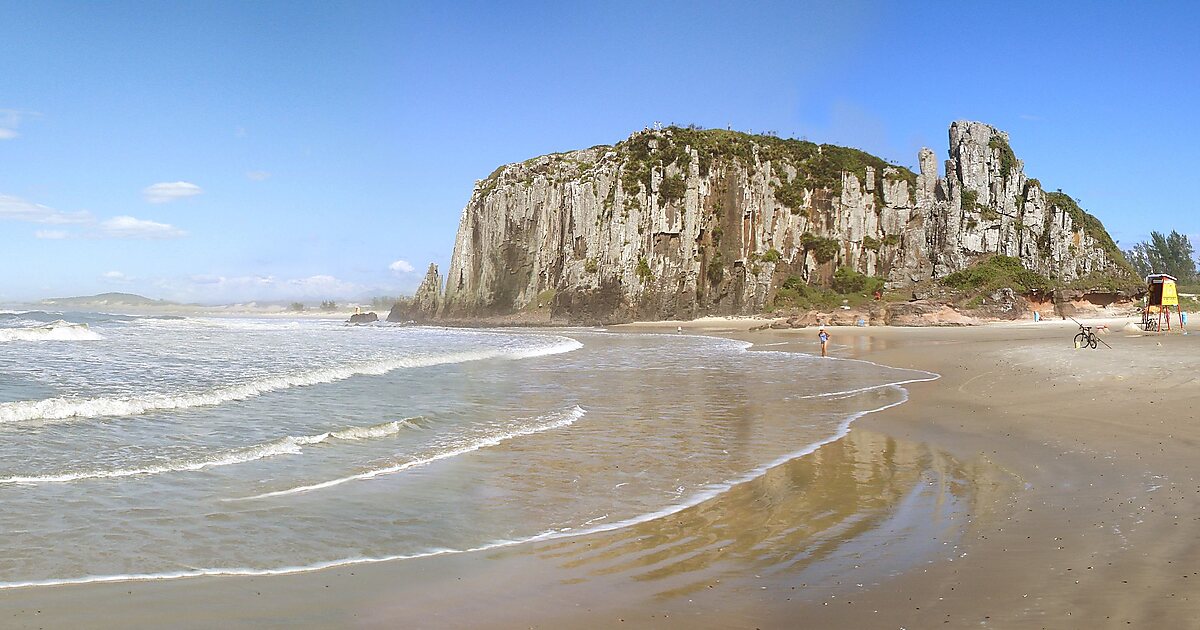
x,y
133,303
105,299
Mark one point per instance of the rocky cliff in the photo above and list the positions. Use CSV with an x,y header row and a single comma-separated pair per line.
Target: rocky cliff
x,y
677,223
425,303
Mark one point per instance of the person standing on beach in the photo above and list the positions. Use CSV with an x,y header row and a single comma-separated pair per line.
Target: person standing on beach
x,y
824,337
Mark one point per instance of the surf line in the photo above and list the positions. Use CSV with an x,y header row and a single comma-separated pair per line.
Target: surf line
x,y
288,445
52,409
929,376
860,390
562,420
709,492
252,572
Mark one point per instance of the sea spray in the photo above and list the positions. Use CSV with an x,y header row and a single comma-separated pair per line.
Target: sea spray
x,y
58,330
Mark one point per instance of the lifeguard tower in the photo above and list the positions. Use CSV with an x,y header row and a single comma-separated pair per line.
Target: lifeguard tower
x,y
1161,295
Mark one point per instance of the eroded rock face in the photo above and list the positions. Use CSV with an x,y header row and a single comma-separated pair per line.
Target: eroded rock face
x,y
1082,303
425,304
1003,304
680,223
925,313
990,207
871,315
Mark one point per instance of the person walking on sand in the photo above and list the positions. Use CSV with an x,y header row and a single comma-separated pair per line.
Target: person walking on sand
x,y
824,337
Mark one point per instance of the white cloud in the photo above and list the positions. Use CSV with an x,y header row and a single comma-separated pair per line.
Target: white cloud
x,y
10,119
129,227
114,275
401,266
232,282
207,279
220,289
18,209
258,176
164,192
322,285
61,218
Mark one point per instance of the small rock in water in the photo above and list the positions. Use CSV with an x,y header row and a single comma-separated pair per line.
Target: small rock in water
x,y
363,318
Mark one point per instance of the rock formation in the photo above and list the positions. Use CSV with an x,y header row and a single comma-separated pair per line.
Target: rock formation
x,y
425,303
677,223
363,318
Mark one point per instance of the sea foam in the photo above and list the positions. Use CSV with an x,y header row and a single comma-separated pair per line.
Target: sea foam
x,y
679,503
289,445
705,494
543,423
58,330
64,408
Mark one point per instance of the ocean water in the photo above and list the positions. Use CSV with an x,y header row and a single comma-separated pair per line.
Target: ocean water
x,y
141,447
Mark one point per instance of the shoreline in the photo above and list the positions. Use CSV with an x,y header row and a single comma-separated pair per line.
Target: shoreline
x,y
977,415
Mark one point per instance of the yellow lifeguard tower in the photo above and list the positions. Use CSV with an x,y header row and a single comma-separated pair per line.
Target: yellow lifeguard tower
x,y
1161,295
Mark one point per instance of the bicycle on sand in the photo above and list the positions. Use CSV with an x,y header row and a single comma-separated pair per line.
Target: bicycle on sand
x,y
1087,337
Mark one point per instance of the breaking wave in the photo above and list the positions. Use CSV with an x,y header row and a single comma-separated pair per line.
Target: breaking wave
x,y
64,408
32,316
546,423
58,330
290,445
705,494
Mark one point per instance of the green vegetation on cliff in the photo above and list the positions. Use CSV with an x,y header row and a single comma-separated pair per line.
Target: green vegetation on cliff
x,y
672,188
643,270
970,201
824,249
817,166
997,272
1091,226
847,280
1008,159
1004,272
904,175
849,286
712,249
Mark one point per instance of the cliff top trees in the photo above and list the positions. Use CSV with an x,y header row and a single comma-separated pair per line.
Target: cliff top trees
x,y
1171,254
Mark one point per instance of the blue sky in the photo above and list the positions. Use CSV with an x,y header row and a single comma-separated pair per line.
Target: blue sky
x,y
220,152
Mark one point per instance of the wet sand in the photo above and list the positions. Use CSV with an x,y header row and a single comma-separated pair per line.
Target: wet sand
x,y
1032,486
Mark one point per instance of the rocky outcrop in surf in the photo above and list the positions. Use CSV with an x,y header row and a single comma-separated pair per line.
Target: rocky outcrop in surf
x,y
677,223
425,303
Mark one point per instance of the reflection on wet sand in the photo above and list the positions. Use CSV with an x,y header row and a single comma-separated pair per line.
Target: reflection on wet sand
x,y
862,508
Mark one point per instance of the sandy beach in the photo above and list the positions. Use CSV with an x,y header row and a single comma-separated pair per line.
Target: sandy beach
x,y
1031,486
